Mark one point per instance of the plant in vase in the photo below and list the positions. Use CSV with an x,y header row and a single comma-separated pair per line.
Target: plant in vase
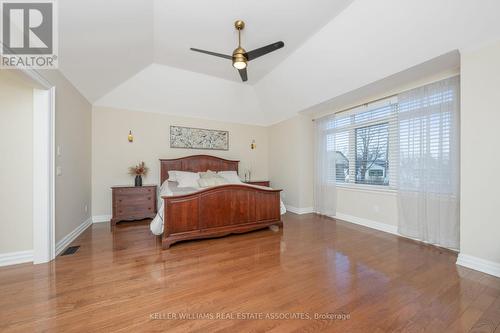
x,y
138,171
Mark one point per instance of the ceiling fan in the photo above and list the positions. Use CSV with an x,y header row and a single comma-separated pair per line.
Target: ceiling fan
x,y
240,57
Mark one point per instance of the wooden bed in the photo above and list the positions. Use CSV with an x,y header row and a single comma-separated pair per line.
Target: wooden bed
x,y
215,211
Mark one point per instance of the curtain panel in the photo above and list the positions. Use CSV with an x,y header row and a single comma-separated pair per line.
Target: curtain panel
x,y
325,192
429,163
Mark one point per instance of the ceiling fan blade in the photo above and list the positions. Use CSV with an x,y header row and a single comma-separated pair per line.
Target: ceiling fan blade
x,y
264,50
212,53
243,74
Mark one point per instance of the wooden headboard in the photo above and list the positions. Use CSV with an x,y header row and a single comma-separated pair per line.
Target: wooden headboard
x,y
196,163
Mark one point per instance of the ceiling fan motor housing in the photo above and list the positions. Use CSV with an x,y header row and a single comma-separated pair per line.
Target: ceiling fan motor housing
x,y
239,55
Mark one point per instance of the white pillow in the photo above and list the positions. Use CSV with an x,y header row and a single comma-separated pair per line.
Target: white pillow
x,y
172,176
208,174
165,188
187,179
230,176
212,181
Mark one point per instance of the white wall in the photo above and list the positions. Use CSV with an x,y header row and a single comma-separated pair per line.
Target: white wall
x,y
480,116
372,205
112,154
16,167
174,91
291,161
73,130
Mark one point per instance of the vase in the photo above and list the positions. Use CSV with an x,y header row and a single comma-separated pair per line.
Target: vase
x,y
138,180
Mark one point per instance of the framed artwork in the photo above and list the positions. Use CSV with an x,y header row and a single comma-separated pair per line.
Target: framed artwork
x,y
198,138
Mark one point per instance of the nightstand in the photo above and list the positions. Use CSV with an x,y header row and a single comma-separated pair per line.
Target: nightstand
x,y
265,183
133,203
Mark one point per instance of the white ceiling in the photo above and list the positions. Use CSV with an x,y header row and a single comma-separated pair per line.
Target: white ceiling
x,y
104,42
209,25
135,54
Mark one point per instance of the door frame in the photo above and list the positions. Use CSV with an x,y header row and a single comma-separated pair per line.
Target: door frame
x,y
43,168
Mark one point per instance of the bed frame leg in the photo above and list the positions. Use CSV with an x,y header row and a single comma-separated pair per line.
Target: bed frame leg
x,y
165,244
274,227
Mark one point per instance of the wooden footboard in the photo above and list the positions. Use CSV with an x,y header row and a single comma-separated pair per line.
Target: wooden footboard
x,y
219,211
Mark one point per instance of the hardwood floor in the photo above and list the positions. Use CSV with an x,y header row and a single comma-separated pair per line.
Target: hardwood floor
x,y
368,280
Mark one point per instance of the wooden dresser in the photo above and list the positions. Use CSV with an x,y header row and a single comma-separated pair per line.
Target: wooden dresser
x,y
259,182
133,203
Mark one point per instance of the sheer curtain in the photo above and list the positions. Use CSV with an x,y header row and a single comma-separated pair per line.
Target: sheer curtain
x,y
428,195
325,192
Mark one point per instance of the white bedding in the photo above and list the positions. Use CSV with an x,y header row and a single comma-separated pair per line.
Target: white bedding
x,y
170,189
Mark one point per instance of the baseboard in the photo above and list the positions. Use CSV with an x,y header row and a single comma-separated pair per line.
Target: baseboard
x,y
475,263
478,264
392,229
14,258
300,211
63,243
101,218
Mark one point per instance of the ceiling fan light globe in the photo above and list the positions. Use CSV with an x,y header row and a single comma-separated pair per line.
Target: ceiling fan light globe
x,y
239,64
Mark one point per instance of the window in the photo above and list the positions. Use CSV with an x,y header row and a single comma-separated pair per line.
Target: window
x,y
338,145
399,142
372,154
363,143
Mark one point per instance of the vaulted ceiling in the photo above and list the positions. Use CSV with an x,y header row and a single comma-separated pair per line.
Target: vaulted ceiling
x,y
135,54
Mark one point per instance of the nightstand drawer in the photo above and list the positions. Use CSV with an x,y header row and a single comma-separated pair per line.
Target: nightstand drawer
x,y
135,208
134,191
130,199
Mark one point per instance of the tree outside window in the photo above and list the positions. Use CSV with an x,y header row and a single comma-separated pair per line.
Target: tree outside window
x,y
372,151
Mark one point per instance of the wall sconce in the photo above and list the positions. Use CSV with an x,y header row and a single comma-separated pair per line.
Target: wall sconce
x,y
130,137
253,145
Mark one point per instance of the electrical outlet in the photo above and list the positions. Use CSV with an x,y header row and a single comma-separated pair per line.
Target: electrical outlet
x,y
86,208
59,150
58,171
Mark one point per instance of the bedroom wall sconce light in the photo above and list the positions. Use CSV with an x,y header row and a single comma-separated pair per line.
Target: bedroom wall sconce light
x,y
253,145
130,137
